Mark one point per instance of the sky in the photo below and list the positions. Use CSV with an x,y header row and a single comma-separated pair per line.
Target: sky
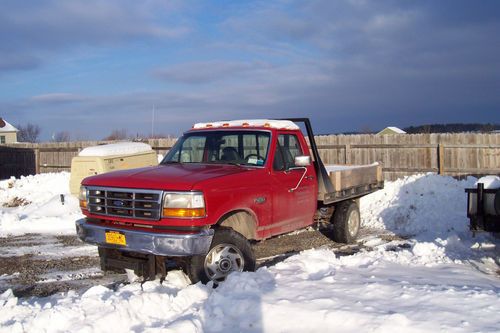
x,y
90,67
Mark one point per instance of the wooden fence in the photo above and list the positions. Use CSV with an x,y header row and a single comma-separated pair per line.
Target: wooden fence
x,y
400,155
16,162
403,154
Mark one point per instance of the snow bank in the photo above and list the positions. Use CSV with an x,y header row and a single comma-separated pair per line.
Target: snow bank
x,y
41,210
434,281
431,211
120,148
427,205
311,292
489,182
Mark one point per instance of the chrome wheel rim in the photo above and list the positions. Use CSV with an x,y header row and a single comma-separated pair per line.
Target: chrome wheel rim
x,y
222,260
353,223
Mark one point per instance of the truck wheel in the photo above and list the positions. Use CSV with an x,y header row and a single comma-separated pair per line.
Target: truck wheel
x,y
346,222
229,252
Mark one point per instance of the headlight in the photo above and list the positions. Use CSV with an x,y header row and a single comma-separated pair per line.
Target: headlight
x,y
188,204
82,197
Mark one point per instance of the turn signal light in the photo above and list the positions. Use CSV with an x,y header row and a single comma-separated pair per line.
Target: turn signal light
x,y
83,204
184,212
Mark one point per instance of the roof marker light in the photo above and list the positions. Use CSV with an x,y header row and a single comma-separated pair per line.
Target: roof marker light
x,y
245,124
267,125
209,125
225,125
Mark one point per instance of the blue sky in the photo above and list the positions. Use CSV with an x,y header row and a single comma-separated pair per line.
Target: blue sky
x,y
90,67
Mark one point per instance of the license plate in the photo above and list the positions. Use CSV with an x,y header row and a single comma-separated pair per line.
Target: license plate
x,y
116,238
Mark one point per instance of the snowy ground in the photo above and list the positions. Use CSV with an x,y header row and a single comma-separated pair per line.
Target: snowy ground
x,y
438,278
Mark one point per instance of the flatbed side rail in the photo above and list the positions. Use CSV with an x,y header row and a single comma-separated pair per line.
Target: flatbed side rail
x,y
353,192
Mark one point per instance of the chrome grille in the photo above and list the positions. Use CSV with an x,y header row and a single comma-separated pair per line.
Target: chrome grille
x,y
118,202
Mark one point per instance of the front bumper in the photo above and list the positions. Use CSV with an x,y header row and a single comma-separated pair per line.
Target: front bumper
x,y
148,242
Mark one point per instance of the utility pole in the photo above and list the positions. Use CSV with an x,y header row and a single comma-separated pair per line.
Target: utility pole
x,y
153,123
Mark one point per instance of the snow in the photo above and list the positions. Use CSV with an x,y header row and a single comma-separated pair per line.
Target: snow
x,y
49,249
45,213
437,278
120,148
8,127
489,182
280,124
396,129
311,292
421,205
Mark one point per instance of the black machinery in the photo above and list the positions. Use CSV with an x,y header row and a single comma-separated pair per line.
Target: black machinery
x,y
483,208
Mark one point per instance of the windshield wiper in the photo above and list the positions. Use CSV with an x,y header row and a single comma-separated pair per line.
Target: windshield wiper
x,y
235,163
226,162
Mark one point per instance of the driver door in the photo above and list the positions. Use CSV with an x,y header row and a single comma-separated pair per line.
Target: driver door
x,y
291,209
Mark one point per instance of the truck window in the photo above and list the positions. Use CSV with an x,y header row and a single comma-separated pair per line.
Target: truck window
x,y
287,148
224,147
191,151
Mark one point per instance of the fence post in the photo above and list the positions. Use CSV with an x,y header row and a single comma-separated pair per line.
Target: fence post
x,y
37,160
440,158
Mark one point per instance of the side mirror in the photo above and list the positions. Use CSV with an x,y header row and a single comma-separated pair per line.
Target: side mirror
x,y
302,161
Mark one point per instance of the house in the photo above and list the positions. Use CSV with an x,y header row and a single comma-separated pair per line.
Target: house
x,y
391,130
8,133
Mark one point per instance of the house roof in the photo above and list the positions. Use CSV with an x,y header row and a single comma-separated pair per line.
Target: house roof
x,y
397,130
7,127
393,129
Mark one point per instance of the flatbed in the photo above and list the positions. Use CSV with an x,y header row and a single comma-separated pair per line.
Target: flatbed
x,y
352,181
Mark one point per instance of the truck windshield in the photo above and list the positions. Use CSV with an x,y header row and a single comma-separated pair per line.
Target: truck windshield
x,y
221,147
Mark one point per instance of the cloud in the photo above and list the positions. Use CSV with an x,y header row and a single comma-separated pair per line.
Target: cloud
x,y
9,62
206,71
57,98
346,64
43,28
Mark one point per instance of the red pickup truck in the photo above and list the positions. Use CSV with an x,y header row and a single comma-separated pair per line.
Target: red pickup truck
x,y
221,187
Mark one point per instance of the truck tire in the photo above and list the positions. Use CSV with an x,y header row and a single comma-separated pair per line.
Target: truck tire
x,y
229,252
346,222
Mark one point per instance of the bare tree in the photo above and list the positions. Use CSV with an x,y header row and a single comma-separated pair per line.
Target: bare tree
x,y
28,133
487,128
62,136
117,135
366,129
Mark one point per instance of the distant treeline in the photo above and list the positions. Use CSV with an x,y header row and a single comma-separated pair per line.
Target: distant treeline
x,y
433,128
452,128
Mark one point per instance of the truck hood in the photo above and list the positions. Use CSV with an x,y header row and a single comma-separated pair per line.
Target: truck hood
x,y
181,177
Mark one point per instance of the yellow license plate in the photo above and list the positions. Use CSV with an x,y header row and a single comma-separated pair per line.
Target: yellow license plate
x,y
115,237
